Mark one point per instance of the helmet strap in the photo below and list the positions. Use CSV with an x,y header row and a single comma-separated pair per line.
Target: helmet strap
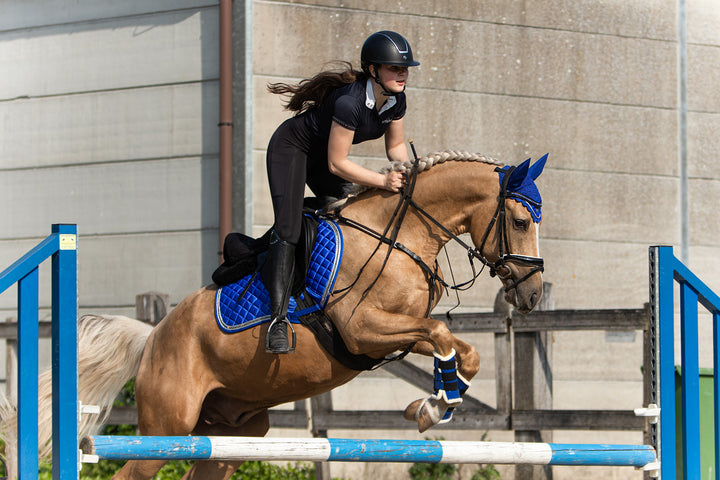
x,y
376,77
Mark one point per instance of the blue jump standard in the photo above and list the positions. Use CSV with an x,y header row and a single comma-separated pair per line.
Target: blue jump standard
x,y
351,450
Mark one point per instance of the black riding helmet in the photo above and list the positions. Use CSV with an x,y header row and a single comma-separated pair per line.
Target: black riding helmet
x,y
386,48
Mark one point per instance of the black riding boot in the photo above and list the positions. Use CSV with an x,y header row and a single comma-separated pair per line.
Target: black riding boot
x,y
278,276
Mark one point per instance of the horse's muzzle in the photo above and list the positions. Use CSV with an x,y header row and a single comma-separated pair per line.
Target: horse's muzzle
x,y
502,270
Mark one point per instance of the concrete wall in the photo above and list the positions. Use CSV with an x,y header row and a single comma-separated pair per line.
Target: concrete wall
x,y
109,117
109,110
593,83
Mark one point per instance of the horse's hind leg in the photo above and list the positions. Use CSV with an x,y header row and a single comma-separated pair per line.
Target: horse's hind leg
x,y
139,469
169,390
256,426
160,412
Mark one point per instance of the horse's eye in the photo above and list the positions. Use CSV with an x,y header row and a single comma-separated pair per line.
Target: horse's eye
x,y
521,224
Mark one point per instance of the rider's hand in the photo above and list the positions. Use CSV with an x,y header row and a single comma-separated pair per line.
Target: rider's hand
x,y
394,181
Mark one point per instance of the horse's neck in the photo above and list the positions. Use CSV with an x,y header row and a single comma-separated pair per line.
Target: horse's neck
x,y
450,193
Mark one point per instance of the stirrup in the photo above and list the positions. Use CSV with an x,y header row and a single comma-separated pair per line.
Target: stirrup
x,y
291,347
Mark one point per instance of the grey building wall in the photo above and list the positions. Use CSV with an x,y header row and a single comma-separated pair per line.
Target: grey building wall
x,y
594,84
109,111
109,120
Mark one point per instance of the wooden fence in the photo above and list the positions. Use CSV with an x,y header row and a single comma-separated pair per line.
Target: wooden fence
x,y
528,412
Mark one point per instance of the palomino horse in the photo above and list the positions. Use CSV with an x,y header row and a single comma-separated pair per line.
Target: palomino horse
x,y
194,379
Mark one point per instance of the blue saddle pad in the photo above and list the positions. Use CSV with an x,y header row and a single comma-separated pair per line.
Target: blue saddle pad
x,y
235,311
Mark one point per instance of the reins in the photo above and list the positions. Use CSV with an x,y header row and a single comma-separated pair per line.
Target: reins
x,y
498,267
399,214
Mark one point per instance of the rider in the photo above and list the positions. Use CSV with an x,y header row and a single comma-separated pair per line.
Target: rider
x,y
334,110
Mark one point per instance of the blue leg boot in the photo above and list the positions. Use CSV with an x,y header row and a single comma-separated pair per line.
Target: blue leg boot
x,y
448,384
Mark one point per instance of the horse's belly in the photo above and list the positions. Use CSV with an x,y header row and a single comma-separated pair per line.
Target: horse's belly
x,y
246,371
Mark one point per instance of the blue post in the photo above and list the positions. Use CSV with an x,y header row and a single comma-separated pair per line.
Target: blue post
x,y
716,387
64,354
692,291
666,360
690,378
62,246
27,400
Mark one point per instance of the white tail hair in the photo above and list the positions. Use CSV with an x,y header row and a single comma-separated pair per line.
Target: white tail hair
x,y
109,351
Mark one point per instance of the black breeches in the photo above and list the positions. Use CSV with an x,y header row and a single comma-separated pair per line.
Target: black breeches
x,y
286,169
294,158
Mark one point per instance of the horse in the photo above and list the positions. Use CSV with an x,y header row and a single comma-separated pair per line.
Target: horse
x,y
191,378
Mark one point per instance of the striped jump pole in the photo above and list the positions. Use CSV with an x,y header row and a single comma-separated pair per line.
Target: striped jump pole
x,y
351,450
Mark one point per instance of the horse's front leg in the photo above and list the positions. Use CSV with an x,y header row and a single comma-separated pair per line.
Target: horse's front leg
x,y
376,331
467,362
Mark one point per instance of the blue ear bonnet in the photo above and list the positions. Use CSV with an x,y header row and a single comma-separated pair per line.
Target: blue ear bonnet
x,y
521,185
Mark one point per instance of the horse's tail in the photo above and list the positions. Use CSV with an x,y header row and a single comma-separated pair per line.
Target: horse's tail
x,y
109,351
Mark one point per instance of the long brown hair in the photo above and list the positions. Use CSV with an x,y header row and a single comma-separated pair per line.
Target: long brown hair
x,y
312,91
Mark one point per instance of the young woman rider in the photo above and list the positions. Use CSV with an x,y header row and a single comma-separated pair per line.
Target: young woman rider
x,y
334,111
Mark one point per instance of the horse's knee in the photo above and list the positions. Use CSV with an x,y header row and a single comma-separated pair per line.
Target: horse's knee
x,y
469,363
441,338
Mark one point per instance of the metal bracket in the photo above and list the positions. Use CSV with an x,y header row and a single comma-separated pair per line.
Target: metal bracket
x,y
653,469
87,410
652,411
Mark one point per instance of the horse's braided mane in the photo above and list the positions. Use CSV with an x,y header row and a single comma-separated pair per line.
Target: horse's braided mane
x,y
426,162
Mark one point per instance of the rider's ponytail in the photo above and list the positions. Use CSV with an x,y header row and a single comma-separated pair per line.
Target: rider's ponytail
x,y
312,91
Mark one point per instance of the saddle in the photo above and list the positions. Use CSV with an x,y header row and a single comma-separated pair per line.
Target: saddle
x,y
242,301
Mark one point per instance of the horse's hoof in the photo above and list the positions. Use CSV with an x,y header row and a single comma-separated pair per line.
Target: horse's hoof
x,y
411,412
430,413
426,419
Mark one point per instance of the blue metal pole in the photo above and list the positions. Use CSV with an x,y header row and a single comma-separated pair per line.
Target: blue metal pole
x,y
27,429
64,354
666,359
690,377
716,389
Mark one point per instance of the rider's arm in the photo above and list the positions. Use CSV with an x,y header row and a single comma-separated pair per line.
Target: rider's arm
x,y
339,145
395,141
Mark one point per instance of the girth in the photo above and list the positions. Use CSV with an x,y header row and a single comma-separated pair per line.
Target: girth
x,y
328,336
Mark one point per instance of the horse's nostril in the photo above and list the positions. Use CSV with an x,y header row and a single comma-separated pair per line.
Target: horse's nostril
x,y
533,299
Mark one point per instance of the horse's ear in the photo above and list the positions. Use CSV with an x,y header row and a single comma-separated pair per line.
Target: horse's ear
x,y
518,175
537,167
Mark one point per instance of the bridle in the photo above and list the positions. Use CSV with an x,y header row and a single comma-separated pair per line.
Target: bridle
x,y
499,267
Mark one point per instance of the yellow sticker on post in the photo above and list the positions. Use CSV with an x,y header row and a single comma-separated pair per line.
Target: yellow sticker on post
x,y
68,242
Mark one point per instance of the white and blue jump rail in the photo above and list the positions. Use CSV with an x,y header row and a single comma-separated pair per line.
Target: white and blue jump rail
x,y
110,447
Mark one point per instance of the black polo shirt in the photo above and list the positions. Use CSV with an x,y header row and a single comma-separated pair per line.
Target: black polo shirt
x,y
353,107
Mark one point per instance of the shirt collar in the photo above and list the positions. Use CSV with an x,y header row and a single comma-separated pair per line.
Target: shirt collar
x,y
370,98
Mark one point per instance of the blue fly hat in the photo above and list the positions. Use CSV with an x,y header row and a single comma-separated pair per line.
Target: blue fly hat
x,y
521,185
